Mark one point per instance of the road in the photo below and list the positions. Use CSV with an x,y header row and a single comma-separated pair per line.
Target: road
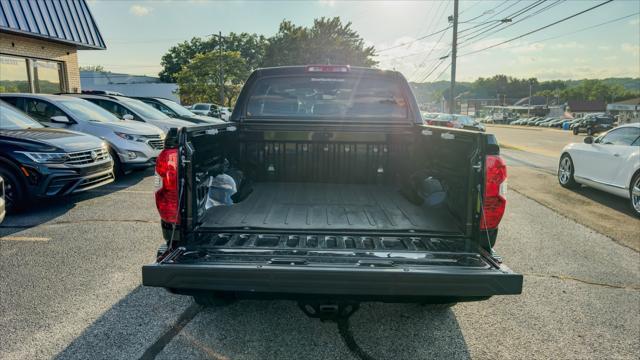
x,y
70,289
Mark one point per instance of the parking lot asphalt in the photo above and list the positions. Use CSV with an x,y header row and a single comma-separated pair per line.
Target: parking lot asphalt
x,y
70,288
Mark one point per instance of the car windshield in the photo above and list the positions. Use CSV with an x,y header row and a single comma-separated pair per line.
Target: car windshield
x,y
85,110
327,96
201,107
13,119
177,108
146,111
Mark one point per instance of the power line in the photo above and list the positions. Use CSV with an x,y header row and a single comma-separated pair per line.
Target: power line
x,y
433,69
492,25
416,40
442,72
538,29
425,61
579,30
513,3
489,32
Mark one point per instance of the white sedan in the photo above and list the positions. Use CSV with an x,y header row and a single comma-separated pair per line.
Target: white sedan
x,y
610,162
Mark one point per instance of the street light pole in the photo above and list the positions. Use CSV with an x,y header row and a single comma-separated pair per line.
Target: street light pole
x,y
529,107
454,51
221,72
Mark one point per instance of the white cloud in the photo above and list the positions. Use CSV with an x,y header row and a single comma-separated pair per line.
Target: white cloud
x,y
634,22
139,10
568,45
631,49
528,48
329,3
604,47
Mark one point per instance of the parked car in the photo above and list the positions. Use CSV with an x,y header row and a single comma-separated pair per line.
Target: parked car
x,y
212,110
260,219
38,162
468,123
610,162
131,109
174,110
3,210
593,125
132,144
445,120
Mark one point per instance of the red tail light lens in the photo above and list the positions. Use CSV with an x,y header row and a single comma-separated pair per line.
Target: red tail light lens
x,y
429,122
167,185
449,124
495,191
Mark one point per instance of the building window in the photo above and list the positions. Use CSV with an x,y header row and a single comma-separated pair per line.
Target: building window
x,y
19,74
14,74
47,76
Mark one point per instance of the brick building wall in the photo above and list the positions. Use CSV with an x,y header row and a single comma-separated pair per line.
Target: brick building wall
x,y
47,50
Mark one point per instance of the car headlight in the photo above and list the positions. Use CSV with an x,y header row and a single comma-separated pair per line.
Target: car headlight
x,y
129,137
46,158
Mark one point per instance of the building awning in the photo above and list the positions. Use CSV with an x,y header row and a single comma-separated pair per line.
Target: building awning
x,y
65,21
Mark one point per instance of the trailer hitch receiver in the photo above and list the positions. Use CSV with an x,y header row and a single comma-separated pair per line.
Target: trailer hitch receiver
x,y
329,311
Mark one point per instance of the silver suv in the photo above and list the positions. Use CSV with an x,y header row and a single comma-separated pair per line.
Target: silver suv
x,y
133,145
133,109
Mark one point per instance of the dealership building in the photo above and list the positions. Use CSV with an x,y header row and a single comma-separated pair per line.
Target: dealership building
x,y
39,43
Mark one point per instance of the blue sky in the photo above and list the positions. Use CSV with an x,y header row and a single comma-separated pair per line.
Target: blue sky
x,y
138,33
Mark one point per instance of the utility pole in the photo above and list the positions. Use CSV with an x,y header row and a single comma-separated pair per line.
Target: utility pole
x,y
529,107
454,52
221,75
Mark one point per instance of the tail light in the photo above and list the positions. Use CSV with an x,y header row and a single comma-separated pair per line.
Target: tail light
x,y
495,190
167,186
429,122
449,124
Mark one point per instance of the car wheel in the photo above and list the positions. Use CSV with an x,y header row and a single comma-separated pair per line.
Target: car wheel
x,y
634,192
565,172
118,171
14,192
589,131
575,131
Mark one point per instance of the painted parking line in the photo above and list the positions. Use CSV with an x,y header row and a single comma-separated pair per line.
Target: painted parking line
x,y
23,238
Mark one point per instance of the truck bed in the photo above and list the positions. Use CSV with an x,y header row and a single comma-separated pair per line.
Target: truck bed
x,y
309,206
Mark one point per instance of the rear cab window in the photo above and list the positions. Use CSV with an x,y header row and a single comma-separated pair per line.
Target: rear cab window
x,y
311,96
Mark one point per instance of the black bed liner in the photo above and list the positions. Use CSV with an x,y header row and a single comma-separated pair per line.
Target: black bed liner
x,y
308,206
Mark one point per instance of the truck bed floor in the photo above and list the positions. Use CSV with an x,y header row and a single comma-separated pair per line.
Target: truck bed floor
x,y
307,206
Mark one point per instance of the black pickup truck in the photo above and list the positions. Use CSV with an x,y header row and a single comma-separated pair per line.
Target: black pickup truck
x,y
326,188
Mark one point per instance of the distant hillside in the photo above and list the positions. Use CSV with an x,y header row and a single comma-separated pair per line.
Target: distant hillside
x,y
513,88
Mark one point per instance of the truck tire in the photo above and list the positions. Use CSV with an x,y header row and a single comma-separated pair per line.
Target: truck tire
x,y
14,192
566,171
634,194
576,131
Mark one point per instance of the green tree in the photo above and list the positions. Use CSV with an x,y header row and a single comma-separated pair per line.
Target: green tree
x,y
96,68
250,46
327,41
199,80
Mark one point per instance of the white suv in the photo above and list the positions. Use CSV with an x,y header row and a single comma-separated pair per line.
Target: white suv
x,y
133,145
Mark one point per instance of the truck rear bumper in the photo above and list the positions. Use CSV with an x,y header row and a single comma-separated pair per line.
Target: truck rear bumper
x,y
361,282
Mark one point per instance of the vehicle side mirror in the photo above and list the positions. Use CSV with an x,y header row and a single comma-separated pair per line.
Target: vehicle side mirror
x,y
588,140
60,119
127,117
